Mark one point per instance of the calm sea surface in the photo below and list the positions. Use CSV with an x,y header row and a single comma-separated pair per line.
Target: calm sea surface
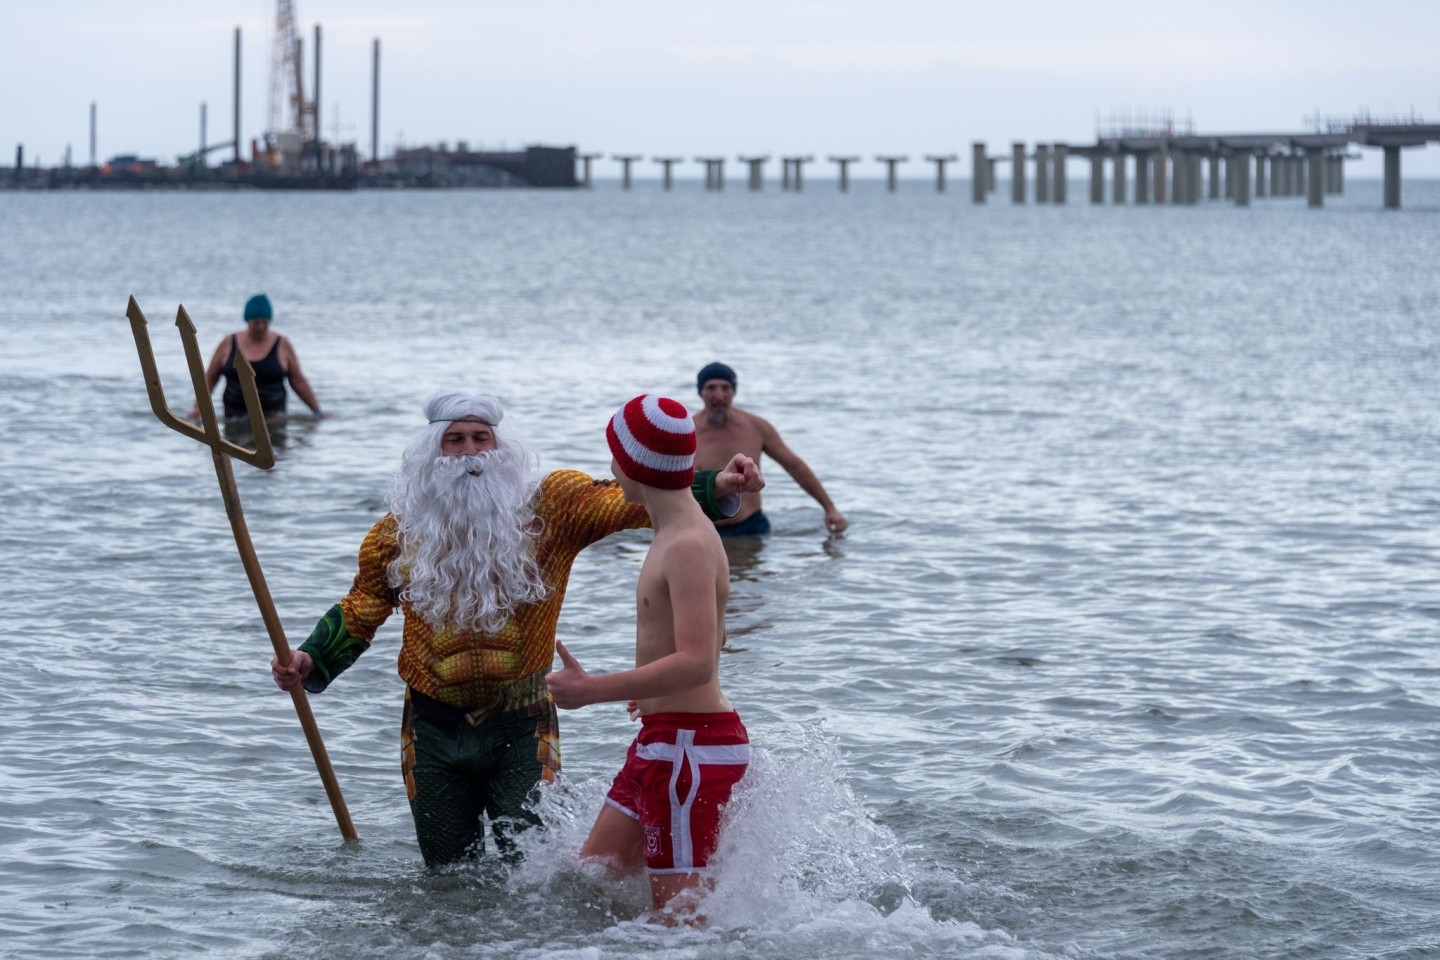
x,y
1130,650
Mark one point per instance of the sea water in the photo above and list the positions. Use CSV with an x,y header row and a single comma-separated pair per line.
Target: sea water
x,y
1129,651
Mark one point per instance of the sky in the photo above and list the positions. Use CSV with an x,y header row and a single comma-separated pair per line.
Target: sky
x,y
693,78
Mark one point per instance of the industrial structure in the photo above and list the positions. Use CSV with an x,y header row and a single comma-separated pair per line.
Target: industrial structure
x,y
1168,161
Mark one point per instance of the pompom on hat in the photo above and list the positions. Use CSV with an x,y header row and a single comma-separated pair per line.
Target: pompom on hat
x,y
653,440
258,308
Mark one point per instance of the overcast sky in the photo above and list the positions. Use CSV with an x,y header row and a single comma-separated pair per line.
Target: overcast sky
x,y
719,77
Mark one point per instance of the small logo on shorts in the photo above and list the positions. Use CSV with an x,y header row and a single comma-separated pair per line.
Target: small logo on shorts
x,y
652,841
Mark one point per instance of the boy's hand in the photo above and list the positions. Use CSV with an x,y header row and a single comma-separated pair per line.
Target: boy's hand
x,y
567,685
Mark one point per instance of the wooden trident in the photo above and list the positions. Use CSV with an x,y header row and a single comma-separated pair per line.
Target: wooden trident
x,y
221,450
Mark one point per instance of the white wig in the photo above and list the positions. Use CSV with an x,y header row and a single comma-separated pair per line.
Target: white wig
x,y
467,525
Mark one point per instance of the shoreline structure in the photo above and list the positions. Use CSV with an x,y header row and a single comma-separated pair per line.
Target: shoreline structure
x,y
1167,162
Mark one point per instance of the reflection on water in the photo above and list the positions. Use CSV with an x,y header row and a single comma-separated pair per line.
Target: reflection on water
x,y
745,555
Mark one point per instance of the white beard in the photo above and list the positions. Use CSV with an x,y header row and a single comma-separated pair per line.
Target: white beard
x,y
467,531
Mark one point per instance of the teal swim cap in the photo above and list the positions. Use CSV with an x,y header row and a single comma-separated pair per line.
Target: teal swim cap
x,y
258,308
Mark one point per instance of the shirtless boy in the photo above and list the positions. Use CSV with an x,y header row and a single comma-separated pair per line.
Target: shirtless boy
x,y
663,810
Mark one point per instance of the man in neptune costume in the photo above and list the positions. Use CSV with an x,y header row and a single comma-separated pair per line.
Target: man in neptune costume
x,y
476,552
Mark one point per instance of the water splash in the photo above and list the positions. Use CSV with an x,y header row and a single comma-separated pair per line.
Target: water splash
x,y
803,869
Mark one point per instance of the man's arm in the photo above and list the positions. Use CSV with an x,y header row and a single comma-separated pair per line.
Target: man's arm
x,y
718,491
835,521
346,629
594,509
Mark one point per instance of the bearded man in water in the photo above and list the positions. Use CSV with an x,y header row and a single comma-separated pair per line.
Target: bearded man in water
x,y
476,551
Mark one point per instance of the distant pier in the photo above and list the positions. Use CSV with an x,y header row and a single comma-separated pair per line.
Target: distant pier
x,y
1167,167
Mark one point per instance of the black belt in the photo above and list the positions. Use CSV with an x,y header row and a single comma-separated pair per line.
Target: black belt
x,y
520,699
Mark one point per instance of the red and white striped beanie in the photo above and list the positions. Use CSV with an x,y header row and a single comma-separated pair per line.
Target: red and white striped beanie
x,y
653,440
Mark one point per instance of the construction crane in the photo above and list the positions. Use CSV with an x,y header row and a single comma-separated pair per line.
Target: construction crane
x,y
291,121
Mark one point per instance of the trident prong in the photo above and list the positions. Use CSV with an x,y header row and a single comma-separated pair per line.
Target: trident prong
x,y
221,450
263,456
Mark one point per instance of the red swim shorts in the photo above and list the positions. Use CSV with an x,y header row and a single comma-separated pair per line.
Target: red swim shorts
x,y
676,780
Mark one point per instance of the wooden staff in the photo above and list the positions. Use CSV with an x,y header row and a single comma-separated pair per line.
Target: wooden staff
x,y
263,456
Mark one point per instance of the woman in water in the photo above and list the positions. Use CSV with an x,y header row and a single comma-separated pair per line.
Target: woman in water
x,y
273,359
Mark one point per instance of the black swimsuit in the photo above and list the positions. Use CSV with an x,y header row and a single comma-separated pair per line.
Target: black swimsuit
x,y
269,382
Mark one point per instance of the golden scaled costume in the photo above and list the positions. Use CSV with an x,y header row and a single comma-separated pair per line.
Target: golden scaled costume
x,y
486,682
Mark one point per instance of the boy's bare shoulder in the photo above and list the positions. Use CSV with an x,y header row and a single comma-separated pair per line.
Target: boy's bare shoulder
x,y
690,542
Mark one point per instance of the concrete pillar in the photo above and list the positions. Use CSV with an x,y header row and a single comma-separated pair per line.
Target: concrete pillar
x,y
1097,178
1240,167
1340,174
666,164
991,181
1214,176
714,172
1060,153
586,178
757,172
713,178
1193,192
1142,177
797,164
92,134
625,170
940,169
1117,182
1315,167
1261,161
1162,168
1392,178
891,163
1042,173
980,168
844,171
1017,173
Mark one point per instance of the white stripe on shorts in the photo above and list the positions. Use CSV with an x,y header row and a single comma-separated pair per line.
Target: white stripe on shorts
x,y
723,753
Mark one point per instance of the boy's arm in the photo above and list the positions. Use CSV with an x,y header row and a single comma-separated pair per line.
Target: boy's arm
x,y
690,583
